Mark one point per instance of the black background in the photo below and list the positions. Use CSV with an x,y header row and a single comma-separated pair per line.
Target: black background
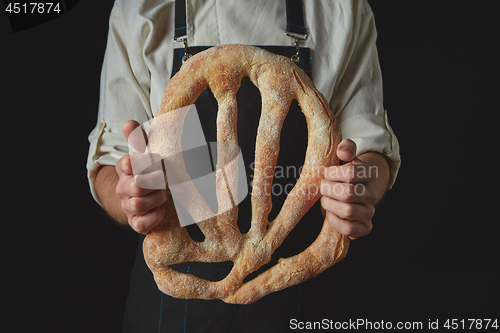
x,y
433,253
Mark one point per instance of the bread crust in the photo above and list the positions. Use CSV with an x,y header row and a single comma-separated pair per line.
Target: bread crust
x,y
280,81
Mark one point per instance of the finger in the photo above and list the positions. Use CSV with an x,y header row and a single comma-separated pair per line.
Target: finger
x,y
348,210
352,229
124,166
142,205
360,193
344,192
145,162
155,180
351,173
144,223
355,171
346,150
135,135
129,188
341,173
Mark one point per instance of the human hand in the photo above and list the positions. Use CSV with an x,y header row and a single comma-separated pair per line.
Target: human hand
x,y
348,193
142,183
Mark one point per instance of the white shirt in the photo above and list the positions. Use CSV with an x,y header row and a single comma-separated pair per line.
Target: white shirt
x,y
139,54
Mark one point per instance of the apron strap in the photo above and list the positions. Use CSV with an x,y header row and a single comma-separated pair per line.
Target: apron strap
x,y
295,29
295,26
180,34
180,20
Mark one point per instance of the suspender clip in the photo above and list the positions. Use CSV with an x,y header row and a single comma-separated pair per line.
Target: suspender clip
x,y
184,40
295,39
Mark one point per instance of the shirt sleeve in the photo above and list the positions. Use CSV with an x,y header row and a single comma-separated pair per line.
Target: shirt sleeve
x,y
124,95
358,96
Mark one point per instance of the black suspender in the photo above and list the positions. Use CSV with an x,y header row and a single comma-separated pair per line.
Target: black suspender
x,y
180,20
295,26
295,29
180,34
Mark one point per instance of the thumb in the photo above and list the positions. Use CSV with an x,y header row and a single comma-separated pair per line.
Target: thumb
x,y
135,135
346,150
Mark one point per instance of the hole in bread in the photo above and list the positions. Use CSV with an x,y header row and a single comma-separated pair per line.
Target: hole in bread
x,y
195,233
293,145
206,107
210,271
206,104
299,239
192,228
249,111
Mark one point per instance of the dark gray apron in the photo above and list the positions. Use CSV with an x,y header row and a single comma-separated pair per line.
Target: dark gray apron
x,y
149,310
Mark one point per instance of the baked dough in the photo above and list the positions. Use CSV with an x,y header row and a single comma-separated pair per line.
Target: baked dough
x,y
280,81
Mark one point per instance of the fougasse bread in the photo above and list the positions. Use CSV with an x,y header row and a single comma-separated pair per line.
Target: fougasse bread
x,y
280,81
